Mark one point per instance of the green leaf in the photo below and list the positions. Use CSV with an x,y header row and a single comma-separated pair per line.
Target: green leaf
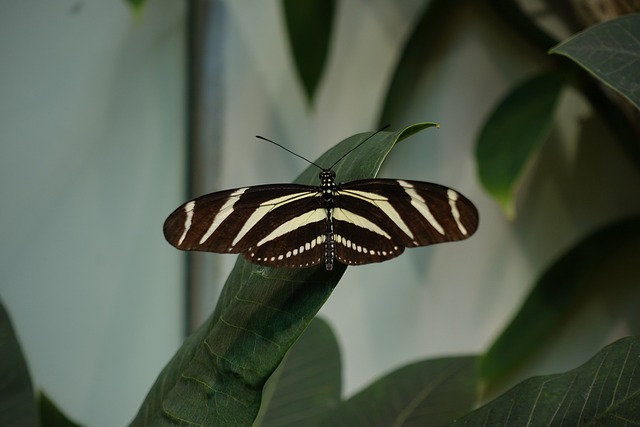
x,y
512,135
611,52
605,391
17,400
216,377
606,258
307,383
431,392
50,415
416,57
136,5
309,23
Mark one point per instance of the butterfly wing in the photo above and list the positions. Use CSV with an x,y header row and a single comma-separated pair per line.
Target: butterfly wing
x,y
270,224
375,219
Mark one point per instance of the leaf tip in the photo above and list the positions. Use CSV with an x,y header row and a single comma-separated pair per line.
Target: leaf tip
x,y
508,208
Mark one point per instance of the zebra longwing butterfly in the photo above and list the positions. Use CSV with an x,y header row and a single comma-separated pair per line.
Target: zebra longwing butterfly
x,y
298,226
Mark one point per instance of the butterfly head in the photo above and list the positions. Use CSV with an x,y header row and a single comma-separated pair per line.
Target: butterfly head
x,y
327,177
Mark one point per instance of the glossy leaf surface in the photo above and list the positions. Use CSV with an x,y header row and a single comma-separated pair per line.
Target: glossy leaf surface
x,y
605,391
431,392
611,52
307,383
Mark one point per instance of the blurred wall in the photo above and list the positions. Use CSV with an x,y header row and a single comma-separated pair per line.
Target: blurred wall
x,y
91,160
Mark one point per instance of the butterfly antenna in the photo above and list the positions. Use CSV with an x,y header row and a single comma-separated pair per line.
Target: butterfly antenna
x,y
354,148
286,149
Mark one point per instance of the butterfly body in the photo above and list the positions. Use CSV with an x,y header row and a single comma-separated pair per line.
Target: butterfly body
x,y
298,226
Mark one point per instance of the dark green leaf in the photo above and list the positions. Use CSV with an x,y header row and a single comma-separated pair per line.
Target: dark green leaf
x,y
50,415
17,400
611,52
307,383
216,378
428,393
513,134
607,258
605,391
309,23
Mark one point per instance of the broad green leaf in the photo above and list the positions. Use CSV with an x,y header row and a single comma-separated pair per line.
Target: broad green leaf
x,y
611,52
428,393
216,377
607,259
605,391
50,415
309,24
17,400
416,57
512,135
307,383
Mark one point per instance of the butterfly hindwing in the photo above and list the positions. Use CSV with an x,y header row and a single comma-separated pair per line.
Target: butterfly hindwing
x,y
299,244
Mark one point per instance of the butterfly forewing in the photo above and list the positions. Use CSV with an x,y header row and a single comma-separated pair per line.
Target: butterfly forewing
x,y
234,221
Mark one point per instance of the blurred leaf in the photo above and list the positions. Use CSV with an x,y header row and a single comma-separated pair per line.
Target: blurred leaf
x,y
307,383
611,52
216,378
136,5
428,393
17,400
50,415
604,259
416,56
605,391
511,137
309,23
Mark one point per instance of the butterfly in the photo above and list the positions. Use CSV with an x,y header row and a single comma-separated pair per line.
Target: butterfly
x,y
299,226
